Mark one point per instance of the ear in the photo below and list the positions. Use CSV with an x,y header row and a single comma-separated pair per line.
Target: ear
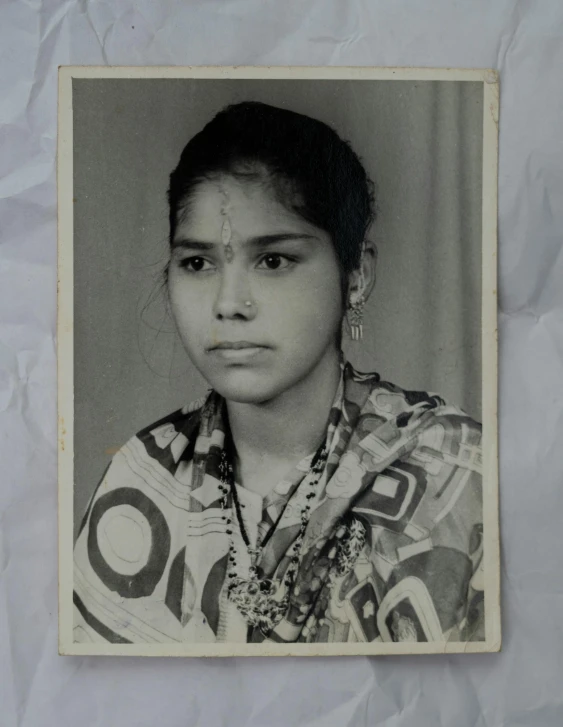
x,y
362,280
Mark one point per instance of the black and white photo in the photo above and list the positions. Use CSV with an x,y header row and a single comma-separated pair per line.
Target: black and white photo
x,y
277,361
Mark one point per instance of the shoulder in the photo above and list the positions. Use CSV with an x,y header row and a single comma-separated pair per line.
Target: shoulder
x,y
393,422
169,439
436,446
159,448
156,459
183,421
402,406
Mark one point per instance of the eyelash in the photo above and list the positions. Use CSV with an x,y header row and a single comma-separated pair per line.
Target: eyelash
x,y
288,259
185,263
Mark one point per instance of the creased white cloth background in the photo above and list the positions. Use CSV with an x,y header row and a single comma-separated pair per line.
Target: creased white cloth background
x,y
520,686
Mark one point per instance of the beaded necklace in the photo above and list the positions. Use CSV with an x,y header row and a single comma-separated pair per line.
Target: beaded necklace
x,y
263,601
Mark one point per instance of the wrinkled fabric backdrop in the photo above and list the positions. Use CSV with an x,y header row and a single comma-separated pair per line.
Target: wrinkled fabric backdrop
x,y
421,142
521,686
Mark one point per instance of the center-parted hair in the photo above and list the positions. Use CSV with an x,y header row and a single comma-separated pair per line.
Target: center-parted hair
x,y
312,170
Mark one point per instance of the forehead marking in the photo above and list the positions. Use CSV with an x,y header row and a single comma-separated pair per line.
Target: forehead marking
x,y
225,200
226,229
226,232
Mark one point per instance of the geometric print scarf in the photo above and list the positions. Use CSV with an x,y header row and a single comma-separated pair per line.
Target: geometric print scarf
x,y
393,549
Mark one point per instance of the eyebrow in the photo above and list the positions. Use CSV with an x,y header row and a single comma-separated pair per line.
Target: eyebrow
x,y
260,242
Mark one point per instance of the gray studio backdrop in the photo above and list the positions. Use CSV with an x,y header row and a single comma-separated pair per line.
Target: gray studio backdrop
x,y
422,144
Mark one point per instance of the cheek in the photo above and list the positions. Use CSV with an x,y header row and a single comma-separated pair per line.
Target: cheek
x,y
310,315
187,308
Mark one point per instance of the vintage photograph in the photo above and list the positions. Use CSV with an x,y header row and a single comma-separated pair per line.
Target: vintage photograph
x,y
277,361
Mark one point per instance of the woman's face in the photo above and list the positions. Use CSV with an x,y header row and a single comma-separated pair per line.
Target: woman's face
x,y
258,318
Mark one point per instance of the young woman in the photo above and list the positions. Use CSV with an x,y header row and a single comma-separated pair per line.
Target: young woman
x,y
300,501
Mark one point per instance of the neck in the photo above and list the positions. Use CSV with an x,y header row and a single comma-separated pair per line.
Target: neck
x,y
289,427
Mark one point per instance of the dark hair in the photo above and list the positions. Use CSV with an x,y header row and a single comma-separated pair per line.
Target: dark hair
x,y
312,170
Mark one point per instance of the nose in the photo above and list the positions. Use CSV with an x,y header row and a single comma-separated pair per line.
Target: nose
x,y
233,296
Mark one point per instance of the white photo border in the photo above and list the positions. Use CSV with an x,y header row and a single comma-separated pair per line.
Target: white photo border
x,y
65,349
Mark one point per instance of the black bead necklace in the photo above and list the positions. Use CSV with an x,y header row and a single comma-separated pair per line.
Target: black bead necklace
x,y
263,601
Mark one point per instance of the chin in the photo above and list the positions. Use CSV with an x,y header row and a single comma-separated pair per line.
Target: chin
x,y
247,394
245,387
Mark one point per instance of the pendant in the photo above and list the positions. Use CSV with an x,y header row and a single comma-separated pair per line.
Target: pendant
x,y
255,599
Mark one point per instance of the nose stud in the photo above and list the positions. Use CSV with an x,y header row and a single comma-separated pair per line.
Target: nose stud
x,y
248,303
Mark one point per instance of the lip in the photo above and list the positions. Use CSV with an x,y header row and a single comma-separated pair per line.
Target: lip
x,y
235,346
237,351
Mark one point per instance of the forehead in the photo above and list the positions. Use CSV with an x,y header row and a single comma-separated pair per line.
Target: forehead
x,y
252,206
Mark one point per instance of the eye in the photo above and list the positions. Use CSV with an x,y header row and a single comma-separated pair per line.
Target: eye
x,y
275,261
195,264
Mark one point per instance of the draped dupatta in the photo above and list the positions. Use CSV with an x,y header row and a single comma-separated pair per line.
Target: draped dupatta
x,y
392,549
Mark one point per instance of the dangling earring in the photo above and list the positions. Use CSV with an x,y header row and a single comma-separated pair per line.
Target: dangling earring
x,y
357,303
356,317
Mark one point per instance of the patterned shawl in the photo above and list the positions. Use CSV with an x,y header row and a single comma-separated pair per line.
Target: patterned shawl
x,y
392,551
